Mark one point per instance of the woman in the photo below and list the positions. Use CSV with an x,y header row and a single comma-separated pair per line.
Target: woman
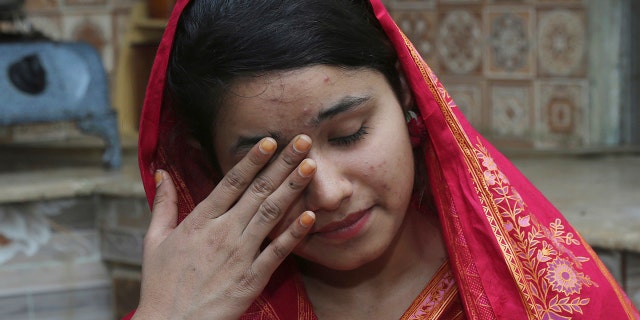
x,y
314,127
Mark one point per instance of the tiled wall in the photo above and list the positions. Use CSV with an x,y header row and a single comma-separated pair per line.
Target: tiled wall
x,y
519,69
516,68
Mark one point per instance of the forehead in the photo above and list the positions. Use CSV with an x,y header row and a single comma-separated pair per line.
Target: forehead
x,y
290,99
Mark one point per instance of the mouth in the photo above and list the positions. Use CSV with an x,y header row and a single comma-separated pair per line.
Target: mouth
x,y
346,228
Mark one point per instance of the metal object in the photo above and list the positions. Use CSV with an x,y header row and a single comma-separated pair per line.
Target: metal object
x,y
58,81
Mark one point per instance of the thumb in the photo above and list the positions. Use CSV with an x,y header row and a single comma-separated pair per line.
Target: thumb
x,y
164,215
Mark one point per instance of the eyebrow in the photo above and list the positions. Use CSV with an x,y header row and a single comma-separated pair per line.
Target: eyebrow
x,y
345,104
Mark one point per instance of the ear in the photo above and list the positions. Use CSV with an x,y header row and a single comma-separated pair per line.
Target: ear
x,y
405,96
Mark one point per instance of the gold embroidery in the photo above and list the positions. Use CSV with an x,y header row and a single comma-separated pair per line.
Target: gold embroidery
x,y
550,269
545,271
436,297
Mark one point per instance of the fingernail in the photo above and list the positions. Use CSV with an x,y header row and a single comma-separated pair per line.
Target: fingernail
x,y
267,146
302,144
307,167
157,176
307,219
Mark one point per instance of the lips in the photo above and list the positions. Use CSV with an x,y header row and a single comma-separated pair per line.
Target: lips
x,y
346,228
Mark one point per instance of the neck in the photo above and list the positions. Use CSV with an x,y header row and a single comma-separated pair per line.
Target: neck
x,y
403,270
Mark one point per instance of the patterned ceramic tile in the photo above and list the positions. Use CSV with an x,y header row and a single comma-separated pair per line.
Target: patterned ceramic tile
x,y
511,111
467,93
95,29
561,113
410,4
562,42
509,51
420,27
459,42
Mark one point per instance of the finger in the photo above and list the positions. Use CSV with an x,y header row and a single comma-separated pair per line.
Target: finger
x,y
272,256
276,205
271,179
164,216
236,181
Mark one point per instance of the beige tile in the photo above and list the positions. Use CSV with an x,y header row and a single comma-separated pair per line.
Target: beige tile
x,y
562,43
561,114
459,41
509,42
511,112
467,92
420,27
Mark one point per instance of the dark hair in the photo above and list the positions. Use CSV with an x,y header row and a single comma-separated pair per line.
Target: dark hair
x,y
218,41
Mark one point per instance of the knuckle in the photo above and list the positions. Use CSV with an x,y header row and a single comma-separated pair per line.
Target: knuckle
x,y
235,180
296,233
279,251
262,186
269,211
295,185
248,280
289,159
161,198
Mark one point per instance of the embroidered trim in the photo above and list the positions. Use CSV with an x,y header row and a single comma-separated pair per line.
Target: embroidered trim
x,y
478,305
551,270
436,297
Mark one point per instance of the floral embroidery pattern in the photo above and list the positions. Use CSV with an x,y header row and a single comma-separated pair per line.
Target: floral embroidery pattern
x,y
550,271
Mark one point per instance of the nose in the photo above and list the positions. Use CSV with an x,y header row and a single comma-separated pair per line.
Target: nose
x,y
329,187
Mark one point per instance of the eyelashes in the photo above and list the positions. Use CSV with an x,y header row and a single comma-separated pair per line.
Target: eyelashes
x,y
351,139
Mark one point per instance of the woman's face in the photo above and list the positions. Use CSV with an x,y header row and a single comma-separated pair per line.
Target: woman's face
x,y
365,170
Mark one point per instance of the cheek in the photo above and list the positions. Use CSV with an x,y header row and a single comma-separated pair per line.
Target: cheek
x,y
394,172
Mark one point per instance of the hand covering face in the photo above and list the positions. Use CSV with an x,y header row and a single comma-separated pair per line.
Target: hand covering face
x,y
512,254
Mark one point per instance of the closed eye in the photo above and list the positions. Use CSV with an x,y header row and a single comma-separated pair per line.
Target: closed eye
x,y
351,139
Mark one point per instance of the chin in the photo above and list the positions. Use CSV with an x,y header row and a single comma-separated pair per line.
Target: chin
x,y
345,260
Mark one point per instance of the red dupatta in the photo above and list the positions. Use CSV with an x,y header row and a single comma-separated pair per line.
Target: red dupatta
x,y
513,255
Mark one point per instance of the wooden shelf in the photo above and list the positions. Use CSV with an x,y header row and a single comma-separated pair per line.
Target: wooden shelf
x,y
134,65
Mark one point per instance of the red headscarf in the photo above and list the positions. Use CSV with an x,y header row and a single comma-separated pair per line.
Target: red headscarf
x,y
514,256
